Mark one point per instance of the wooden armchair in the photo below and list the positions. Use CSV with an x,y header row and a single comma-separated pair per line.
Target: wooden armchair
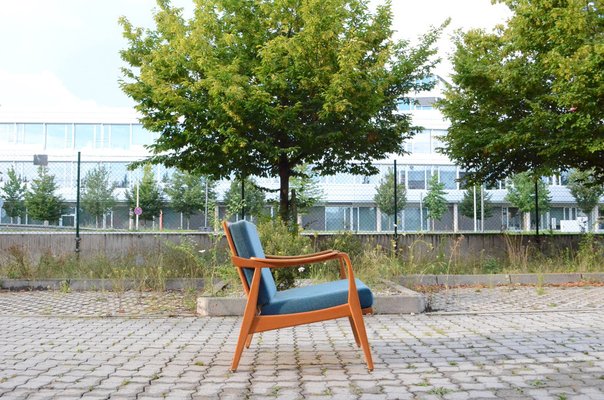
x,y
268,309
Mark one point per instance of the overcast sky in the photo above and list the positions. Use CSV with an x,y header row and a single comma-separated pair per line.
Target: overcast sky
x,y
64,54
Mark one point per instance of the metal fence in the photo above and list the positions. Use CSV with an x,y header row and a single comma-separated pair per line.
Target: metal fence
x,y
344,202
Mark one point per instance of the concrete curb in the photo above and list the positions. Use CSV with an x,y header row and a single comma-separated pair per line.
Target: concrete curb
x,y
92,284
499,279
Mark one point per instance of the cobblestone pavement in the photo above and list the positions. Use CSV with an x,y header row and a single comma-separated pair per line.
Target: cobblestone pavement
x,y
517,298
543,354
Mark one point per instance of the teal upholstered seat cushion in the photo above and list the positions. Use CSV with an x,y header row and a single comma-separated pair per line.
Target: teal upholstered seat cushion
x,y
315,297
247,243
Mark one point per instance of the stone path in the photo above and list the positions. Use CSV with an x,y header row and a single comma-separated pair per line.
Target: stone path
x,y
532,351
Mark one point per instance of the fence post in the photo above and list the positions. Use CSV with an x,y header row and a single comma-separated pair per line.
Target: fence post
x,y
78,239
395,208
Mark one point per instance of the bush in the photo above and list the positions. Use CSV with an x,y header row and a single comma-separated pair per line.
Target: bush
x,y
278,239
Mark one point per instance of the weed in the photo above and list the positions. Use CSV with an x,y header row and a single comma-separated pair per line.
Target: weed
x,y
64,287
440,391
453,363
200,363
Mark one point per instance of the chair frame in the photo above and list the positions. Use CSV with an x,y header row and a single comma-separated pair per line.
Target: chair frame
x,y
254,322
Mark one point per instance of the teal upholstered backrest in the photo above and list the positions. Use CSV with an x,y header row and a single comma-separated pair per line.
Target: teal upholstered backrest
x,y
247,243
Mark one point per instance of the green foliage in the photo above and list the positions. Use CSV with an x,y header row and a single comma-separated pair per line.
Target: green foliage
x,y
308,192
150,198
528,96
435,201
42,203
256,88
466,206
97,194
521,193
585,189
253,201
278,239
384,196
187,193
13,194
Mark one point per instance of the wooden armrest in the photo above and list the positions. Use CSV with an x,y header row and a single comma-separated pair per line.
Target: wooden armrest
x,y
274,257
254,262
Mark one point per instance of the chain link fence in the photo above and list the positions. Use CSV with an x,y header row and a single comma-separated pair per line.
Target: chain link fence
x,y
430,198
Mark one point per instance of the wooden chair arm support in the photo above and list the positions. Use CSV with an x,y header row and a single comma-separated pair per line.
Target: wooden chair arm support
x,y
254,262
275,257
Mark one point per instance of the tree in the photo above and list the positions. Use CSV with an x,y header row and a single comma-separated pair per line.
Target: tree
x,y
13,194
521,193
150,197
435,201
42,203
528,96
190,194
585,190
466,206
256,88
384,195
308,192
254,199
97,194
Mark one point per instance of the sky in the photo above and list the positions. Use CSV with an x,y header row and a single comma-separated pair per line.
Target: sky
x,y
64,54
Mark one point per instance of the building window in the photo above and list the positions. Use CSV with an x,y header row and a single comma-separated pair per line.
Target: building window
x,y
7,134
33,134
140,136
335,218
58,136
119,136
448,176
416,177
85,136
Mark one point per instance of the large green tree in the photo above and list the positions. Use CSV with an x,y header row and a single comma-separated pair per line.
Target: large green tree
x,y
435,201
41,199
190,194
586,191
256,87
384,195
529,96
97,194
150,197
13,194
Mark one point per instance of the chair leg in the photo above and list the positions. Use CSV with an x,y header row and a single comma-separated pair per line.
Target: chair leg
x,y
244,333
248,342
357,317
354,332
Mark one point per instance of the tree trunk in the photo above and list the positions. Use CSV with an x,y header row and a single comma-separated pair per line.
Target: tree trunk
x,y
284,172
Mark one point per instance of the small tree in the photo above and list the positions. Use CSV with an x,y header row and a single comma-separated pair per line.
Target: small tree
x,y
384,195
13,194
187,193
307,192
521,193
466,206
585,190
150,197
254,199
41,201
97,194
435,201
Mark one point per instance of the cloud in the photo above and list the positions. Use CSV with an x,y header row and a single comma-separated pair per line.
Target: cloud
x,y
42,91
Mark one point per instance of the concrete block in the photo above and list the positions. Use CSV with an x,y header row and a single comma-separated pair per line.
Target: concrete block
x,y
412,281
220,306
593,276
524,279
469,280
559,278
400,304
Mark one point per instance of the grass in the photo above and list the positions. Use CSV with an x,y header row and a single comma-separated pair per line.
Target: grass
x,y
373,261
